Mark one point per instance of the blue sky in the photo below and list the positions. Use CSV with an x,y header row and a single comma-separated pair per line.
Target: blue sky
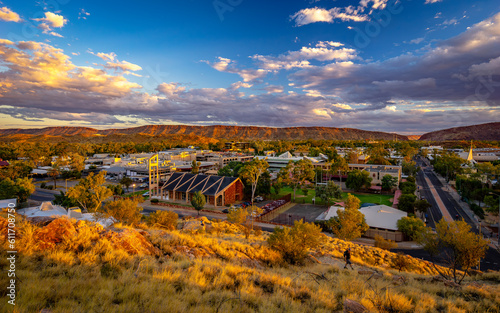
x,y
399,66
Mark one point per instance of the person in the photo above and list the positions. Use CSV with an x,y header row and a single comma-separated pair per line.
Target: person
x,y
347,258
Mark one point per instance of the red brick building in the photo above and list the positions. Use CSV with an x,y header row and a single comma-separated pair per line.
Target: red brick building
x,y
218,190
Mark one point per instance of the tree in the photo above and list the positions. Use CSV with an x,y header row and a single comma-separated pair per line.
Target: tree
x,y
491,203
389,182
294,243
378,155
410,168
277,186
195,167
358,179
461,248
54,172
125,210
422,205
15,169
116,189
90,192
237,215
328,192
198,201
21,189
349,223
408,187
126,181
407,203
77,162
64,201
252,171
295,174
231,170
25,188
411,226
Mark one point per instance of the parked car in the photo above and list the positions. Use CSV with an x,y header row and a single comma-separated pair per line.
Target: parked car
x,y
225,211
258,199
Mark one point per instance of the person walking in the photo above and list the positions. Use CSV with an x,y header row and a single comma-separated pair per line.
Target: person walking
x,y
347,258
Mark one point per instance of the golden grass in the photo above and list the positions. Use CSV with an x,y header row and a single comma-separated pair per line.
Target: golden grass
x,y
210,271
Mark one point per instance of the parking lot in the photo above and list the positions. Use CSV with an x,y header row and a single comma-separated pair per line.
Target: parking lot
x,y
308,212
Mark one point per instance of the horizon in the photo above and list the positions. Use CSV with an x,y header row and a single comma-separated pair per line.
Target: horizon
x,y
404,67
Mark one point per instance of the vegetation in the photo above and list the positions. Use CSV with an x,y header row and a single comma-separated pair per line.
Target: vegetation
x,y
296,174
126,182
356,180
126,210
349,223
90,192
85,268
20,189
407,203
411,226
294,243
462,248
252,171
389,182
328,192
163,219
386,244
198,201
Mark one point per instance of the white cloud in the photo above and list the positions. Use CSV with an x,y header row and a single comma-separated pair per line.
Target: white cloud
x,y
432,1
8,15
50,21
83,14
314,15
123,65
229,66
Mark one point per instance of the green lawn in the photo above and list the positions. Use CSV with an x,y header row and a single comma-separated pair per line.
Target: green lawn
x,y
365,198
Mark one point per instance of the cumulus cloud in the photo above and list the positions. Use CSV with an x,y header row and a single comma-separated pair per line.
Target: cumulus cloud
x,y
432,1
8,15
446,72
50,21
314,15
300,59
229,66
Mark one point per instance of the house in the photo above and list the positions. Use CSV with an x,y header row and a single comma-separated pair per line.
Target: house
x,y
382,220
218,190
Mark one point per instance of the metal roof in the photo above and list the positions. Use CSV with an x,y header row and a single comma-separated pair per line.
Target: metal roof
x,y
209,185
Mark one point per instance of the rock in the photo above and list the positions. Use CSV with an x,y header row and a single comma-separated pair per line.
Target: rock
x,y
52,234
131,241
40,220
351,306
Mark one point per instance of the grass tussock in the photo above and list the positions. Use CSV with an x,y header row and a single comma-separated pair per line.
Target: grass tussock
x,y
216,269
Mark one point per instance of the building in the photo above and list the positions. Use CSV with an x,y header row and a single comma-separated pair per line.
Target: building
x,y
223,159
218,190
377,172
382,219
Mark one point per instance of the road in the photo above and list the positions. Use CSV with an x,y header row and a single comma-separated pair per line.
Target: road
x,y
40,195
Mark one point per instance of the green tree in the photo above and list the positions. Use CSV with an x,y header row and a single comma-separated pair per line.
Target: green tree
x,y
198,201
491,203
195,167
63,200
116,189
231,170
90,192
410,168
358,179
25,188
295,174
252,171
126,210
408,187
277,186
349,223
407,203
422,205
389,182
294,243
461,248
411,226
328,192
126,181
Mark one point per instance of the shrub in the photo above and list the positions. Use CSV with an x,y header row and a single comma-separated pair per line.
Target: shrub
x,y
163,219
411,226
43,185
294,243
125,210
155,200
385,244
477,210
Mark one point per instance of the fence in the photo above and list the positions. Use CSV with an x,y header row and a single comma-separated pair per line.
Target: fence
x,y
273,207
288,219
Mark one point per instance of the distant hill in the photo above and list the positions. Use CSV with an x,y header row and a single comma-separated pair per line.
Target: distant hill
x,y
489,131
212,132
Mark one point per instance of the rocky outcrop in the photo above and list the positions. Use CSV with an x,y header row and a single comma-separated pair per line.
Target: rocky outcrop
x,y
132,241
489,131
47,237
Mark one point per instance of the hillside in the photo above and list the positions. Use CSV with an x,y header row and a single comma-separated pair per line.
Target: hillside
x,y
489,131
213,132
69,266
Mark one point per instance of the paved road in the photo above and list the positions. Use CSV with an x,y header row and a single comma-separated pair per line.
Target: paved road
x,y
40,195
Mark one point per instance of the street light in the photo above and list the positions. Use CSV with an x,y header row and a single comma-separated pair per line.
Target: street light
x,y
498,228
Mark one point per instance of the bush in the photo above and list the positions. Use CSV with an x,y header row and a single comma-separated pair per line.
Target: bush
x,y
43,185
294,243
411,226
477,210
163,219
385,244
50,187
124,210
155,200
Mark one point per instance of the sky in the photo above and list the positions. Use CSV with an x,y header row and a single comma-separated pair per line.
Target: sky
x,y
405,66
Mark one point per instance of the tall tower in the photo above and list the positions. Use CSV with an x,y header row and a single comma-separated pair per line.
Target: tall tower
x,y
154,177
469,157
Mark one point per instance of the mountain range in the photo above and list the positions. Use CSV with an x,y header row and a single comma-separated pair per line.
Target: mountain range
x,y
490,131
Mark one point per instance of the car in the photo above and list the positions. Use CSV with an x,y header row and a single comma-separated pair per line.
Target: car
x,y
225,211
258,199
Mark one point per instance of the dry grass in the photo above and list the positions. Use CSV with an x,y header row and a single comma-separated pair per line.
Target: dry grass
x,y
218,270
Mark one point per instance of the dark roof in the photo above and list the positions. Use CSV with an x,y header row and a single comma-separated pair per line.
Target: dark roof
x,y
209,185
